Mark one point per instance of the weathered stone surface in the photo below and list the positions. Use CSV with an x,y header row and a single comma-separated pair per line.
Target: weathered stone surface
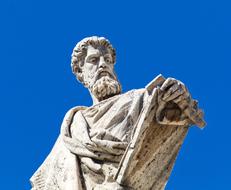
x,y
123,141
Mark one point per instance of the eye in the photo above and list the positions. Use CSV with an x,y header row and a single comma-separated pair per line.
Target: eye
x,y
108,60
92,60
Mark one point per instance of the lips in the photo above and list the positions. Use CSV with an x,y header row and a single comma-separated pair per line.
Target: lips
x,y
104,73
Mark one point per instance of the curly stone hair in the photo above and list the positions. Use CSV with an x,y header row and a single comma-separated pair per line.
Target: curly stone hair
x,y
80,51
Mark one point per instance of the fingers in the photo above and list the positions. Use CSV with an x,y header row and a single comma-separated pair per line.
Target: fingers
x,y
169,82
195,104
200,113
173,92
182,101
195,116
174,89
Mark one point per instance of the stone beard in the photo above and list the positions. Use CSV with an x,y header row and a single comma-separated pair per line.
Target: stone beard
x,y
123,141
105,87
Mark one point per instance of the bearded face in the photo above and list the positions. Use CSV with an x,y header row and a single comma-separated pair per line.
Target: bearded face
x,y
99,74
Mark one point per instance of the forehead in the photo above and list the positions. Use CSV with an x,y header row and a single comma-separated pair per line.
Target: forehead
x,y
99,50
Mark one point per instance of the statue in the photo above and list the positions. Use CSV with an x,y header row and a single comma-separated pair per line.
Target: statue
x,y
123,141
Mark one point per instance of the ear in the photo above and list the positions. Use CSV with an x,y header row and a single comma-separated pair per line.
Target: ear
x,y
80,77
77,71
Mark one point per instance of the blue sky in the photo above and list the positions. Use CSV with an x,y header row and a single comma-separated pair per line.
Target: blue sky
x,y
188,40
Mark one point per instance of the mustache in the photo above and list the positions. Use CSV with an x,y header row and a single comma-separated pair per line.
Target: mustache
x,y
105,72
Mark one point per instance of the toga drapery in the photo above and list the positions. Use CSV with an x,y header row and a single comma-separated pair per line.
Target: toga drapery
x,y
88,152
91,144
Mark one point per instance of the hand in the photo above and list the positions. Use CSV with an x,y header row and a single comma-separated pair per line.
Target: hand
x,y
173,98
174,90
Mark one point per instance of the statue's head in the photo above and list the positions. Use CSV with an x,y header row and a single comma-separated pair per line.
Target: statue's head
x,y
92,62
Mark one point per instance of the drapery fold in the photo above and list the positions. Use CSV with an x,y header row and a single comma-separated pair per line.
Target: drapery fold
x,y
88,136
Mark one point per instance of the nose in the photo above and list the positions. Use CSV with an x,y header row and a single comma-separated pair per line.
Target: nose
x,y
102,63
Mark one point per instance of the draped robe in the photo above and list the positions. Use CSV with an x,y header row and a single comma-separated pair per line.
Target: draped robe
x,y
98,134
91,149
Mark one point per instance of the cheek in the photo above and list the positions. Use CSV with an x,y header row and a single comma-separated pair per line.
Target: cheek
x,y
88,67
112,68
90,70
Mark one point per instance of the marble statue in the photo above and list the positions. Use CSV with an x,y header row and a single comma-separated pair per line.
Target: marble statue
x,y
123,141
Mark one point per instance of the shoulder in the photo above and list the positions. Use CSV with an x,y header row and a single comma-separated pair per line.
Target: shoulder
x,y
69,117
73,110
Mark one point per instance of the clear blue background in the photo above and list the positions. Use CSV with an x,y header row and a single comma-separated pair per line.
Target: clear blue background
x,y
189,40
